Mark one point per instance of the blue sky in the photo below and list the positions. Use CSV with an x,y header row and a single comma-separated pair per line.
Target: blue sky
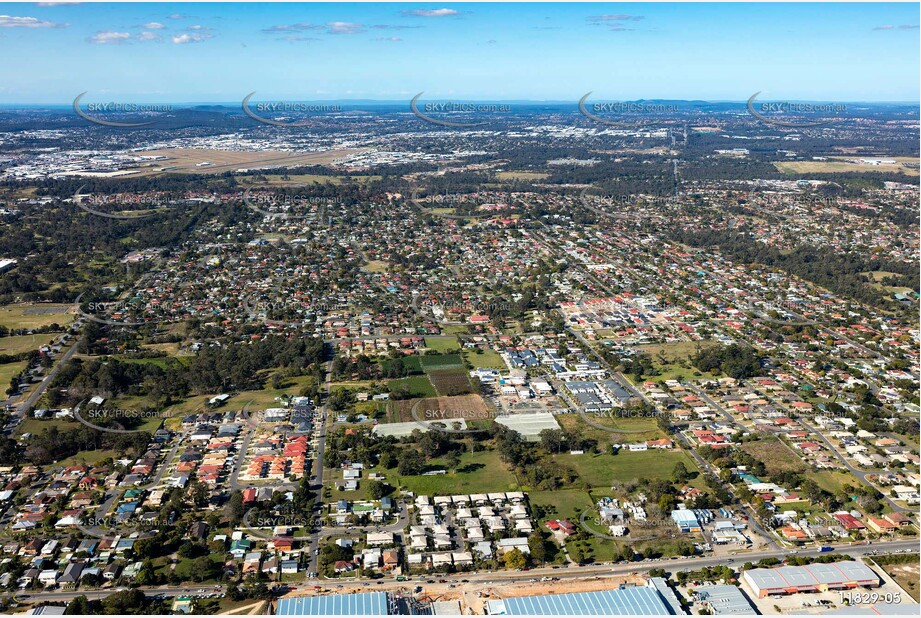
x,y
219,52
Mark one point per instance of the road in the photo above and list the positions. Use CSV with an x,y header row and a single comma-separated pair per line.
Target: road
x,y
313,546
487,578
32,399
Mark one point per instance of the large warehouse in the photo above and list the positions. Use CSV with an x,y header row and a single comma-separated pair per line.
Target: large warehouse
x,y
810,578
363,604
638,601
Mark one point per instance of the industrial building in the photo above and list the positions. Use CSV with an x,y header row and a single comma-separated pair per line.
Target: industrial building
x,y
529,425
363,604
632,601
810,578
724,600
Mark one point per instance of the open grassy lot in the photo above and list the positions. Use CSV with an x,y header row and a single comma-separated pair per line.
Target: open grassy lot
x,y
417,386
484,359
478,473
441,361
604,469
7,371
25,343
35,315
187,159
776,456
578,424
563,503
842,166
442,344
88,458
833,481
514,175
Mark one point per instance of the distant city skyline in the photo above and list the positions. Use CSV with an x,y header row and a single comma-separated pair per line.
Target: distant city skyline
x,y
219,52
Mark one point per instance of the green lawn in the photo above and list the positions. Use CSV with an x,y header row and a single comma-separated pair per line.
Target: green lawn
x,y
25,343
441,361
833,481
419,386
576,423
27,315
480,472
442,344
7,371
565,503
605,469
484,359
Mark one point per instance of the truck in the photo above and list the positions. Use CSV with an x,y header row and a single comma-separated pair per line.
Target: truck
x,y
826,548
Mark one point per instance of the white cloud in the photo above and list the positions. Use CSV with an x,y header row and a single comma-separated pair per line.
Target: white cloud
x,y
431,12
8,21
299,27
149,36
106,37
620,17
389,39
182,39
154,26
55,3
176,16
344,27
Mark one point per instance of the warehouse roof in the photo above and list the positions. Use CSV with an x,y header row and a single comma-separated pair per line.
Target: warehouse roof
x,y
364,604
639,601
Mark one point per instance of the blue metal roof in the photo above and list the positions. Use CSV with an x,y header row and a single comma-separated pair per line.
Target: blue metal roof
x,y
639,601
366,604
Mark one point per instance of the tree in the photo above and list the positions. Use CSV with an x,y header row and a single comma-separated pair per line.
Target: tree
x,y
453,460
78,606
537,547
680,473
514,559
411,463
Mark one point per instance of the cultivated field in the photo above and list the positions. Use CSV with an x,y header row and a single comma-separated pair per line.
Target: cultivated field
x,y
462,406
450,381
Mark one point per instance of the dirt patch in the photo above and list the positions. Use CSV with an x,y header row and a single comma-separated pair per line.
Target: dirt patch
x,y
907,576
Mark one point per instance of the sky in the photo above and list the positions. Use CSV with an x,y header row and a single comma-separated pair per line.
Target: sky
x,y
220,52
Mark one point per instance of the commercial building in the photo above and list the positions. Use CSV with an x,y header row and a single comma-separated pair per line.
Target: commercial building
x,y
724,600
529,425
810,578
364,604
635,601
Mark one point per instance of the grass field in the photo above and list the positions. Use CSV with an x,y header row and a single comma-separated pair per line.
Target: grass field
x,y
833,481
603,470
418,386
512,175
776,456
187,159
35,315
25,343
484,359
562,503
842,166
440,361
442,344
576,423
7,371
88,458
478,473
